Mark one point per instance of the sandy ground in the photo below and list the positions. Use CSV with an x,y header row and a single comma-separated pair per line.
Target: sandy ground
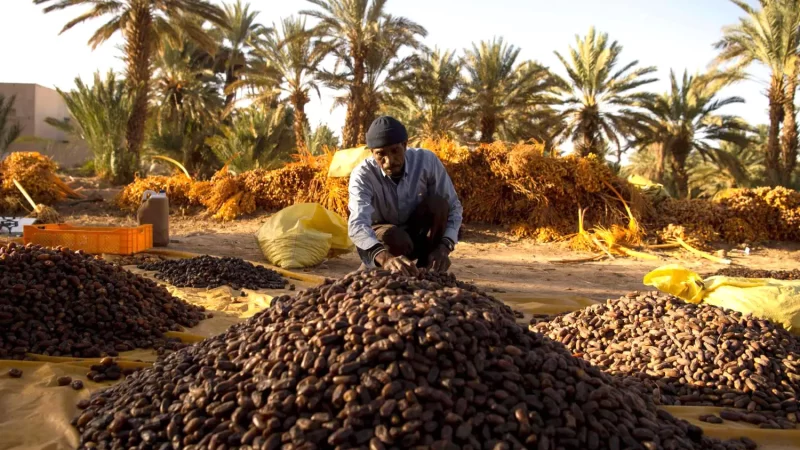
x,y
487,257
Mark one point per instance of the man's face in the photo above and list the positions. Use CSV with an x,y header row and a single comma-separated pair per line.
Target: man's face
x,y
391,158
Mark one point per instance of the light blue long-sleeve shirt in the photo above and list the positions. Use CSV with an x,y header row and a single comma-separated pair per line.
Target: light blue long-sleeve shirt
x,y
376,199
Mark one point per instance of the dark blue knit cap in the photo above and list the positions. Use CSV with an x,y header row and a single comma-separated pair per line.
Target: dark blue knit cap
x,y
386,131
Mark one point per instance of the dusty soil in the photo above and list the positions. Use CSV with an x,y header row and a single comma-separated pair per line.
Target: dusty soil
x,y
487,257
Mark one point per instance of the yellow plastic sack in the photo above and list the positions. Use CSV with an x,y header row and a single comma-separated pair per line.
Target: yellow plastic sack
x,y
344,161
302,235
654,191
775,300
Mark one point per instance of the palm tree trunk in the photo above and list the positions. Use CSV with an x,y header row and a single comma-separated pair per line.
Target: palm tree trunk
x,y
230,78
789,137
351,134
488,127
775,96
369,111
661,159
352,122
299,100
586,145
678,163
138,49
589,131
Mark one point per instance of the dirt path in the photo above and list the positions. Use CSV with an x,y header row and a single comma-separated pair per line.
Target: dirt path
x,y
485,257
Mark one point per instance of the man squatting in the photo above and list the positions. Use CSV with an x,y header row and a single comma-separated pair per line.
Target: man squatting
x,y
403,206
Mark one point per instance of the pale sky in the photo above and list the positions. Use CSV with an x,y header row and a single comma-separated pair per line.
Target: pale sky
x,y
670,34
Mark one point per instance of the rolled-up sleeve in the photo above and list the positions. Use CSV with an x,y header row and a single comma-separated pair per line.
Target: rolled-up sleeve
x,y
360,205
443,186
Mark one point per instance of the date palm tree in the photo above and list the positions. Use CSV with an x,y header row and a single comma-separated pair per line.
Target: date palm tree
x,y
188,104
742,169
541,123
687,121
238,37
256,137
426,98
602,103
285,61
352,31
501,91
382,66
770,35
145,25
99,114
8,132
183,85
319,140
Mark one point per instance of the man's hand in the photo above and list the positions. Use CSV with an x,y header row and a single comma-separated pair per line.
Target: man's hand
x,y
399,264
439,259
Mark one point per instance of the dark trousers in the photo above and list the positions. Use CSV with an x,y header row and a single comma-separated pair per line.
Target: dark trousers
x,y
419,237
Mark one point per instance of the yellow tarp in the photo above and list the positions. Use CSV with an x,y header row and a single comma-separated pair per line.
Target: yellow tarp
x,y
35,412
766,439
530,304
344,161
775,300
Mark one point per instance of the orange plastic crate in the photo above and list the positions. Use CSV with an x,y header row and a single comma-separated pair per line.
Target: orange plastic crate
x,y
96,240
